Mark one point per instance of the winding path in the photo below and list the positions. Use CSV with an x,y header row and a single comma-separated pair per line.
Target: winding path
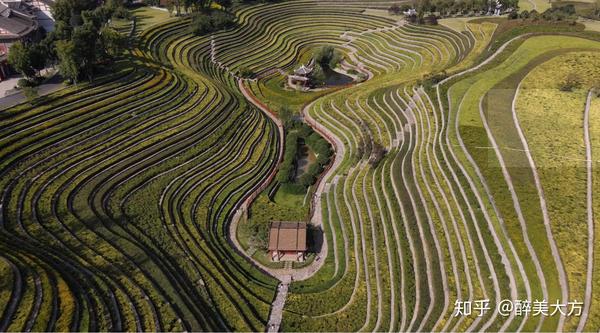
x,y
590,213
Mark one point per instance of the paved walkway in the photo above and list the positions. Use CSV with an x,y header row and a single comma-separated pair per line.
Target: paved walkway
x,y
274,323
16,97
7,87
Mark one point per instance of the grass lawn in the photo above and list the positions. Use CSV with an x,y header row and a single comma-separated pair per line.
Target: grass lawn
x,y
147,16
291,200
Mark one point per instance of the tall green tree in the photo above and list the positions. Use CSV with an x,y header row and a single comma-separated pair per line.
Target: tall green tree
x,y
69,11
85,41
112,41
38,55
19,57
65,50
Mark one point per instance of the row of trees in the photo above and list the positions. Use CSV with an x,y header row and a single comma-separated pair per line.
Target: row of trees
x,y
560,13
191,6
451,7
82,38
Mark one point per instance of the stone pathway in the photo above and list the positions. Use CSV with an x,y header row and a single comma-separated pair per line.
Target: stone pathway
x,y
274,323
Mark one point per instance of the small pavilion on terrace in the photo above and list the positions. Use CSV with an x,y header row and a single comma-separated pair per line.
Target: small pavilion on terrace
x,y
287,241
301,76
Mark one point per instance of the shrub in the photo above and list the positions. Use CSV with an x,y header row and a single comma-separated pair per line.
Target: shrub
x,y
245,72
377,154
430,80
307,179
362,77
395,9
22,83
570,83
430,20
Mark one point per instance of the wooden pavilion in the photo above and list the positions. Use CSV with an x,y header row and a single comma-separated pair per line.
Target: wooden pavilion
x,y
287,241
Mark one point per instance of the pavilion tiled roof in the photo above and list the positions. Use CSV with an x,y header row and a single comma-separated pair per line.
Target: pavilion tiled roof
x,y
303,70
287,236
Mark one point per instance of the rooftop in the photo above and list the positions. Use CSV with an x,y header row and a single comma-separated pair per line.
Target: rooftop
x,y
16,20
287,236
303,70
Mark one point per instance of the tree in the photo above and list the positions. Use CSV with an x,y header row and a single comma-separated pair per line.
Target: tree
x,y
65,50
307,178
188,4
285,173
318,75
524,15
69,10
38,56
27,59
112,41
221,20
395,9
85,39
200,24
328,56
170,6
19,57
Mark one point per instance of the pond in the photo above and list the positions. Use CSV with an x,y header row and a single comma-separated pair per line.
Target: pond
x,y
334,78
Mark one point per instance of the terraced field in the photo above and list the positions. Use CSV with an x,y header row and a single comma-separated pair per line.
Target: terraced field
x,y
118,195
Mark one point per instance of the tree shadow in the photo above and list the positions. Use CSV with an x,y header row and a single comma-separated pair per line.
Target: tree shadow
x,y
315,238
